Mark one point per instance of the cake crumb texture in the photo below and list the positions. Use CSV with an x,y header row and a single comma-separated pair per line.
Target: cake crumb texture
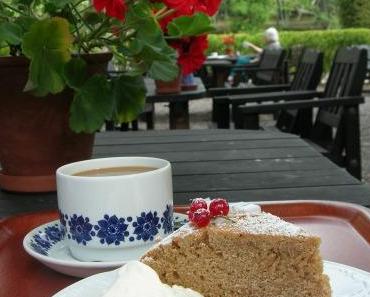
x,y
246,255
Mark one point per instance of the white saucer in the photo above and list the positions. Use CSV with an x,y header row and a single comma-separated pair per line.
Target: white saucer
x,y
345,281
46,244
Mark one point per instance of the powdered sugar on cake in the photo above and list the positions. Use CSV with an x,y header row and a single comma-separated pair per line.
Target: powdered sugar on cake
x,y
245,218
262,223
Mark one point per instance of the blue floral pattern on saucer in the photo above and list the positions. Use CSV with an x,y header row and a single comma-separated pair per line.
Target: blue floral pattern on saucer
x,y
111,230
42,241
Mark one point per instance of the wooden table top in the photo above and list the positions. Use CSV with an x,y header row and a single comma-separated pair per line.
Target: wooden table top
x,y
240,165
153,97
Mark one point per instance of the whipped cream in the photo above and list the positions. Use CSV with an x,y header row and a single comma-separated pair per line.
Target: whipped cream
x,y
136,279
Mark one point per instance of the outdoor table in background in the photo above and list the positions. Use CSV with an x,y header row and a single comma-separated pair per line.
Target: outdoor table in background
x,y
218,71
241,165
178,102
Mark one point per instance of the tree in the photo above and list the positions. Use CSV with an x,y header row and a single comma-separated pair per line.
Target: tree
x,y
354,13
249,15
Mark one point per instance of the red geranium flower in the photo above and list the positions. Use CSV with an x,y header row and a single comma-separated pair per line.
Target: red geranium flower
x,y
113,8
187,7
191,53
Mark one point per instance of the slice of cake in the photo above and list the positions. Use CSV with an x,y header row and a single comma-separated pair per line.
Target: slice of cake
x,y
244,254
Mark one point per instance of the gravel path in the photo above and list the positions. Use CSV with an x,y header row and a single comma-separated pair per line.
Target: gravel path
x,y
200,118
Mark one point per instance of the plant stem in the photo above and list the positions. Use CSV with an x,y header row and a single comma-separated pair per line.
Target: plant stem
x,y
74,7
79,42
97,32
167,13
161,11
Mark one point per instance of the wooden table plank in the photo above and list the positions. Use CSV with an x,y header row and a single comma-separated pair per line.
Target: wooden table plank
x,y
162,138
180,132
251,154
359,194
262,180
198,146
265,165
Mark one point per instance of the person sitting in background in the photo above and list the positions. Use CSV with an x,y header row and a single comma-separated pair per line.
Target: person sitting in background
x,y
271,40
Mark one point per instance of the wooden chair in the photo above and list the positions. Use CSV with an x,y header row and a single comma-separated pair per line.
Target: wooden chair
x,y
336,131
269,70
303,86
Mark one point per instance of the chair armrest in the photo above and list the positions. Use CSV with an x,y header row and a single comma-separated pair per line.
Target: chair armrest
x,y
301,104
272,96
213,92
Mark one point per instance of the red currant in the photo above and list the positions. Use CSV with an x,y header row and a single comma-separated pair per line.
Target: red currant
x,y
198,203
190,215
219,207
201,217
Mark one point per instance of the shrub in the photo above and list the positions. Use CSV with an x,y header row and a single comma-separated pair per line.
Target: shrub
x,y
326,41
354,13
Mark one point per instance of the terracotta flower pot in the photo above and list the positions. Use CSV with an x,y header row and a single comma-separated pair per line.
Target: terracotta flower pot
x,y
229,51
35,136
169,87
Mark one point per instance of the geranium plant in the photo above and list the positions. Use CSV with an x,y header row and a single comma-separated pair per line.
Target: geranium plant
x,y
229,43
192,47
142,35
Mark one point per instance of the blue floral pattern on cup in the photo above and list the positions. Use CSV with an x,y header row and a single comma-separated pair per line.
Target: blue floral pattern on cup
x,y
167,219
146,226
80,229
111,230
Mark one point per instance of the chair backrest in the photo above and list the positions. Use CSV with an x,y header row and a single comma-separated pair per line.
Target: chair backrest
x,y
309,71
347,73
307,77
346,78
271,59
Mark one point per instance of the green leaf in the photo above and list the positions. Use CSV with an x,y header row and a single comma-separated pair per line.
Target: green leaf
x,y
163,70
59,4
129,97
24,2
92,18
11,33
47,45
25,22
148,47
92,105
4,49
75,73
185,26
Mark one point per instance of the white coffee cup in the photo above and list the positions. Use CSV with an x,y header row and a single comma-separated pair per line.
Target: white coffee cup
x,y
114,218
